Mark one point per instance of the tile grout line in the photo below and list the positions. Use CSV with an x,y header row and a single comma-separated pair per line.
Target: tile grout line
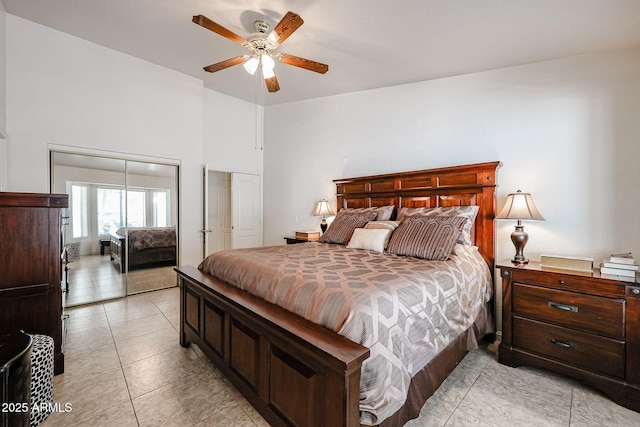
x,y
126,383
90,415
120,360
573,389
114,342
200,358
465,395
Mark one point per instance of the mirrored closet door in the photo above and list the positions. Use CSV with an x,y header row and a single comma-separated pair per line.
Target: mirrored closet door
x,y
122,235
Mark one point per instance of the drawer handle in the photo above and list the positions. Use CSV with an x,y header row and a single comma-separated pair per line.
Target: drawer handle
x,y
564,307
562,344
635,291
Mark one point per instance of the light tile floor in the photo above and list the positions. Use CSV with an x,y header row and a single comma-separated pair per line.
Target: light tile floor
x,y
95,278
124,366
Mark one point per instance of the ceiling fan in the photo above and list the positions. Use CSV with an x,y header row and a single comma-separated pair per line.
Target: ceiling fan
x,y
262,47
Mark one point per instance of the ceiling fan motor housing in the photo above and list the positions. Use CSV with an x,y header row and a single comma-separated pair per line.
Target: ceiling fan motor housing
x,y
261,26
259,42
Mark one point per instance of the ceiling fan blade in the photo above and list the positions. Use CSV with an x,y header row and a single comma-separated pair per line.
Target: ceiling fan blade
x,y
225,64
287,25
207,23
272,84
307,64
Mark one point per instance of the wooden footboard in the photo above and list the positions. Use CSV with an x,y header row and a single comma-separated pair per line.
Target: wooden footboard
x,y
118,252
292,371
136,260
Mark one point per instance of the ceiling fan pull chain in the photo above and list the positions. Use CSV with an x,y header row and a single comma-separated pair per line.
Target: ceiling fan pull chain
x,y
258,145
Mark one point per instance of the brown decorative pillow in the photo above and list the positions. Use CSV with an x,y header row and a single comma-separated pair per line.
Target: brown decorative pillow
x,y
384,212
431,238
467,212
342,227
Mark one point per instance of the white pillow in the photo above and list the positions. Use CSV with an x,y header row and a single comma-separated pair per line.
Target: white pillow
x,y
370,239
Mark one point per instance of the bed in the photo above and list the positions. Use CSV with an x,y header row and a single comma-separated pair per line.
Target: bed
x,y
298,367
147,247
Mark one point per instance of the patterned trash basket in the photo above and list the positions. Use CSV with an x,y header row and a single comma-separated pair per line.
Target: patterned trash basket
x,y
73,251
41,378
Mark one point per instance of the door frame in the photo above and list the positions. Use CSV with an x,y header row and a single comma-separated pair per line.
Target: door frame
x,y
206,227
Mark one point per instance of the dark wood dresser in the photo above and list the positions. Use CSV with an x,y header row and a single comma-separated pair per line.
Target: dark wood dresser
x,y
582,325
30,257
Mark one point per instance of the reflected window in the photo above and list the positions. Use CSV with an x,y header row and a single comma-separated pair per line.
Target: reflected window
x,y
79,206
146,208
110,203
136,209
160,208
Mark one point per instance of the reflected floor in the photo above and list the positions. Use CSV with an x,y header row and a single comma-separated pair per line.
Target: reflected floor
x,y
124,366
95,278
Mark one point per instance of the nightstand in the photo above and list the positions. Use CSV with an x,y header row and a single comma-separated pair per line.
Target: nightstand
x,y
293,240
582,325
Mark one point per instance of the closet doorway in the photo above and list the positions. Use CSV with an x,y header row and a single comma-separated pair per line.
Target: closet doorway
x,y
232,211
122,229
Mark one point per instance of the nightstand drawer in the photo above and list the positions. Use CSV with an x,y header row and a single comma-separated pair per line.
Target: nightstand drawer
x,y
581,349
588,313
569,282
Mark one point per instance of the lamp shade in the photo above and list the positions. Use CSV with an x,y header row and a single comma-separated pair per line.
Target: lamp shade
x,y
520,206
323,208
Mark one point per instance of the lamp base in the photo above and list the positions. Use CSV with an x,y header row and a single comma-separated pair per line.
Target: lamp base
x,y
323,226
519,238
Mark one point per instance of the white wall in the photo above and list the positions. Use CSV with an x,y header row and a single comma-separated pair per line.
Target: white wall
x,y
232,134
566,130
3,73
65,91
3,97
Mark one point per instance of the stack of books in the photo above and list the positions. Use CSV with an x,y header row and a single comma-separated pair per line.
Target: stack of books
x,y
312,236
620,265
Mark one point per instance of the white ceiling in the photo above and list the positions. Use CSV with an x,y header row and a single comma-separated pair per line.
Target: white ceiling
x,y
366,43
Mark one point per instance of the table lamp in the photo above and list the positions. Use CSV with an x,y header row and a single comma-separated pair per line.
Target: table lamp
x,y
323,209
519,206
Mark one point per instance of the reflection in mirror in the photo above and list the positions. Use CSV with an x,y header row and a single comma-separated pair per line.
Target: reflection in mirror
x,y
151,247
110,199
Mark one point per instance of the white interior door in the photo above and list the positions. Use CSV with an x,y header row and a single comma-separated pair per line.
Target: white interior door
x,y
220,221
217,228
246,210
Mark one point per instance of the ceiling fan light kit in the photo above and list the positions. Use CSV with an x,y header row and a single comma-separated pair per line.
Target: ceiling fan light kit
x,y
262,48
251,65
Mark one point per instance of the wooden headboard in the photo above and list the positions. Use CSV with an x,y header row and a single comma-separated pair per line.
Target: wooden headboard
x,y
463,185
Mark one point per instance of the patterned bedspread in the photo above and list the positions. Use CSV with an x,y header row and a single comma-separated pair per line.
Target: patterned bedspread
x,y
405,310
